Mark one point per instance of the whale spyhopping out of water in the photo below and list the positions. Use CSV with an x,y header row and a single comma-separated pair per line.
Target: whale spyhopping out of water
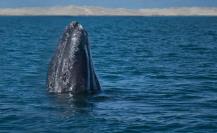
x,y
71,69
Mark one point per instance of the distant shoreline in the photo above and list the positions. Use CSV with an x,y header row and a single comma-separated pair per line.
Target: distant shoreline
x,y
100,11
104,16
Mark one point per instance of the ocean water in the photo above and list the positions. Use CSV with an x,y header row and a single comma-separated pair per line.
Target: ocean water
x,y
158,74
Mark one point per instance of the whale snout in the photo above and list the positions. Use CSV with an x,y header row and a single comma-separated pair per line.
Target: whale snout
x,y
76,36
75,26
77,31
74,29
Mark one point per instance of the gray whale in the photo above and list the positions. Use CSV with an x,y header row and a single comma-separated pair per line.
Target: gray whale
x,y
71,68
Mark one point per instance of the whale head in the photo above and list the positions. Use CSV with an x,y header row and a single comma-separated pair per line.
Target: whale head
x,y
71,68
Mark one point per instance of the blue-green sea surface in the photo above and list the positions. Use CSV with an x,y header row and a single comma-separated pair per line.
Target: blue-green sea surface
x,y
158,74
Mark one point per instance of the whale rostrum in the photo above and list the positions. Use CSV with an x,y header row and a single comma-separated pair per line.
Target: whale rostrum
x,y
71,68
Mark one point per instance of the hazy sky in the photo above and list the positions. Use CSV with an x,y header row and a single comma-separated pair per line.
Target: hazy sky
x,y
110,3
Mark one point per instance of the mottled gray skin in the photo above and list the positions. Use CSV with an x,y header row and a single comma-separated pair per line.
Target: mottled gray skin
x,y
71,68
